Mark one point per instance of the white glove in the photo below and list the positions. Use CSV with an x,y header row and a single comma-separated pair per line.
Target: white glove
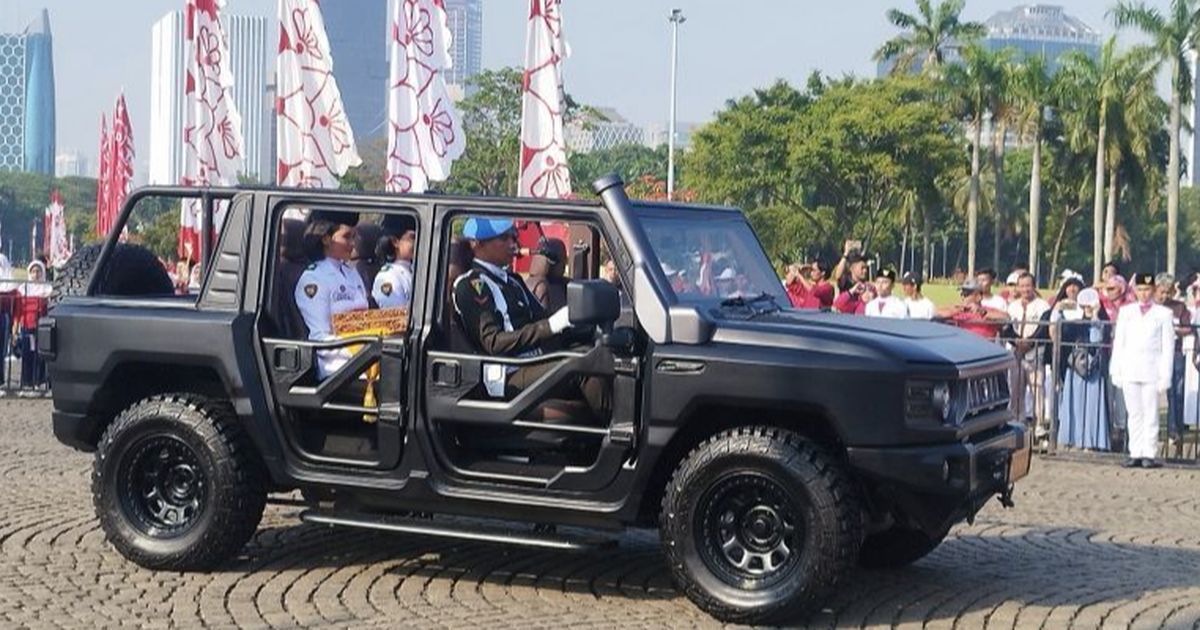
x,y
560,321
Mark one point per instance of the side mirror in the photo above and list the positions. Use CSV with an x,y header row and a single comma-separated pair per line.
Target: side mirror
x,y
593,303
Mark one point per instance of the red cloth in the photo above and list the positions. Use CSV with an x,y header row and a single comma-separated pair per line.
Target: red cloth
x,y
30,310
850,304
797,293
974,323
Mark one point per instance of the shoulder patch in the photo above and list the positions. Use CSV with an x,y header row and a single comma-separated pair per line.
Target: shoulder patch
x,y
386,288
477,284
310,290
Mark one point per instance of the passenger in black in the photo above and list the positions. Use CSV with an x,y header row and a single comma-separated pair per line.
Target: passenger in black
x,y
501,317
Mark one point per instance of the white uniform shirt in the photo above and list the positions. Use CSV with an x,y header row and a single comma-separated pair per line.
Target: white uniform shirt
x,y
325,289
890,307
1143,346
1026,318
921,308
996,302
393,285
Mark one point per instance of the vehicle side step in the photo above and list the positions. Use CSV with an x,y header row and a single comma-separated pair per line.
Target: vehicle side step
x,y
459,530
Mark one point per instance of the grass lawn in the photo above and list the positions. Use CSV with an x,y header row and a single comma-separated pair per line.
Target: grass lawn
x,y
941,294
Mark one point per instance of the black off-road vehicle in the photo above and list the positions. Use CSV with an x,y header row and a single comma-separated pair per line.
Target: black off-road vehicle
x,y
772,448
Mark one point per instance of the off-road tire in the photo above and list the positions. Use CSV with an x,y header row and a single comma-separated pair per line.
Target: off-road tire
x,y
233,479
895,547
827,506
132,270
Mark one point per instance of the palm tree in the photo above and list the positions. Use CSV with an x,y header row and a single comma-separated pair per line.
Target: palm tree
x,y
1034,90
972,82
1090,88
1171,35
1135,116
927,35
1003,109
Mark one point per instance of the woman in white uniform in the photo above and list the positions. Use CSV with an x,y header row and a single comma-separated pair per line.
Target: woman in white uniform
x,y
397,244
331,284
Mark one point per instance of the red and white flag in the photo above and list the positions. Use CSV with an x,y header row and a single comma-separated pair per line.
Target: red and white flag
x,y
56,243
121,166
212,134
315,141
103,216
424,132
544,172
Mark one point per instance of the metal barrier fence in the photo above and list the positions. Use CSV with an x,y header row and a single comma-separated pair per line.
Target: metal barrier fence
x,y
1061,386
22,371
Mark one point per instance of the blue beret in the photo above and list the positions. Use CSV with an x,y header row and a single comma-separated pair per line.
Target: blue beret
x,y
482,228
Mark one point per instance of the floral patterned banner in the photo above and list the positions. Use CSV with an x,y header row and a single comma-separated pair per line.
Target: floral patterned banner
x,y
424,134
544,171
212,134
103,216
315,141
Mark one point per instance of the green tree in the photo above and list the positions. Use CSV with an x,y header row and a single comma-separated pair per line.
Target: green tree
x,y
491,120
972,82
630,161
1172,36
741,158
1033,89
926,35
859,149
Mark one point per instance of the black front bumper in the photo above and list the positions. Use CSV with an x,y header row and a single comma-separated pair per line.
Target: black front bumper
x,y
939,485
77,430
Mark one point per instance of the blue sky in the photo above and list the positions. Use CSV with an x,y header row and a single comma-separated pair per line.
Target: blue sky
x,y
620,49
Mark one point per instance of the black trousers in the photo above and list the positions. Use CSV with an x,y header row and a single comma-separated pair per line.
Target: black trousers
x,y
596,391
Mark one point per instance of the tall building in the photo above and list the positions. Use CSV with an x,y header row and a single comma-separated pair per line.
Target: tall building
x,y
71,164
27,104
465,18
358,34
249,45
605,131
1041,29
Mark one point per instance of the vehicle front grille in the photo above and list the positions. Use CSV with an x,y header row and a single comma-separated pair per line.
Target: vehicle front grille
x,y
986,393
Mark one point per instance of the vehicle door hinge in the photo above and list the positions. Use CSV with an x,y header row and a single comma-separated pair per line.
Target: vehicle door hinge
x,y
622,434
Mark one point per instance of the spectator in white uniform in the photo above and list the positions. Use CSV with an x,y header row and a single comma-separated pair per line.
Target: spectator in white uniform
x,y
331,284
919,306
397,245
1142,356
885,304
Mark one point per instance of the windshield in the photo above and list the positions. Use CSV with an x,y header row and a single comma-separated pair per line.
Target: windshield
x,y
709,257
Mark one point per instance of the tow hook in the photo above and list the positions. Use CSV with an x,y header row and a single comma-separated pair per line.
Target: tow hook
x,y
1005,497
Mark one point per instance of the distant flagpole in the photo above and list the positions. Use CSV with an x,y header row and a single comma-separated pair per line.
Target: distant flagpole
x,y
315,141
424,132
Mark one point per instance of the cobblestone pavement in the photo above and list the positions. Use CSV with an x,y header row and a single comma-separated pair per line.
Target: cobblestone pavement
x,y
1088,545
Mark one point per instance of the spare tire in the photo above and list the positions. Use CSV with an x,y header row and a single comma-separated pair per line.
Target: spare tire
x,y
132,270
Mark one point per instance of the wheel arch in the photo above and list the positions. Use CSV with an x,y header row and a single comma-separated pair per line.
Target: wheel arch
x,y
130,381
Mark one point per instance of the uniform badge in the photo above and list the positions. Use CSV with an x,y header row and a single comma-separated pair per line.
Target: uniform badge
x,y
310,290
478,286
386,288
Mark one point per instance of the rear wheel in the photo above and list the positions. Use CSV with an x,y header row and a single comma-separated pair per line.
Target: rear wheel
x,y
758,524
176,483
897,546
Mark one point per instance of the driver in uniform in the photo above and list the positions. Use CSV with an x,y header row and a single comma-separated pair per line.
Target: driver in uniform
x,y
500,317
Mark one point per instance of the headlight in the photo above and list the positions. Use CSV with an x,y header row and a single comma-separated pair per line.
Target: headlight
x,y
929,402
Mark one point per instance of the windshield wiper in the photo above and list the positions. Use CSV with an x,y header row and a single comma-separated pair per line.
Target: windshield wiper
x,y
749,302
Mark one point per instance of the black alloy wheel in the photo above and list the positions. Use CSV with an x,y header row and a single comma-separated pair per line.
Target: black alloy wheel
x,y
752,530
162,486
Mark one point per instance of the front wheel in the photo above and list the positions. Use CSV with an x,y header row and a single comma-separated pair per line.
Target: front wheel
x,y
758,524
177,484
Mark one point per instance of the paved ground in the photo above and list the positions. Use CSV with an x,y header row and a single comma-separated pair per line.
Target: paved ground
x,y
1088,545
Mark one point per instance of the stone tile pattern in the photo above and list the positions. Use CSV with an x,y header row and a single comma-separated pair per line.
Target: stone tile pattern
x,y
1089,545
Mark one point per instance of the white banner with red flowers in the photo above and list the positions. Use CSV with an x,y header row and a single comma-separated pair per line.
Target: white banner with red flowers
x,y
315,142
424,133
103,181
544,172
212,134
121,165
55,242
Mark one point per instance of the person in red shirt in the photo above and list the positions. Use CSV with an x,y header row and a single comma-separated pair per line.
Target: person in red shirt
x,y
853,301
971,315
32,301
807,287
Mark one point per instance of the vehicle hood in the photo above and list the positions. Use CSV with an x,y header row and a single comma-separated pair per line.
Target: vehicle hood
x,y
918,343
